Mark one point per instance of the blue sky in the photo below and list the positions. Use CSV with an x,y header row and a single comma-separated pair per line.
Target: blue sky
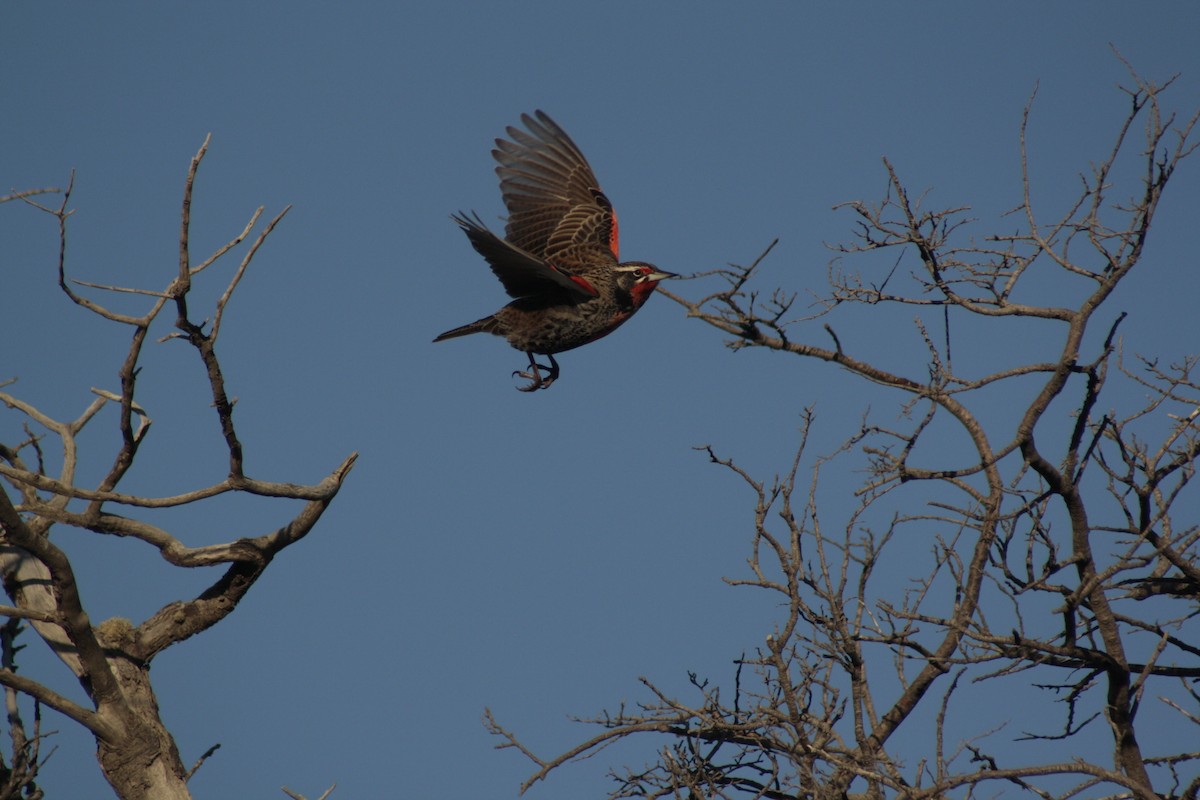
x,y
535,554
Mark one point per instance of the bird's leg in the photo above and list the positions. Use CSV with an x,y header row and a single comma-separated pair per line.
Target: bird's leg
x,y
551,373
534,374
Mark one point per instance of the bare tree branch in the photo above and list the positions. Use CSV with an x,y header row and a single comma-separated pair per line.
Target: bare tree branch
x,y
1058,553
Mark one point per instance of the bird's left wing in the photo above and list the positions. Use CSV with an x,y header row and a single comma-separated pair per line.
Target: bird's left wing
x,y
522,273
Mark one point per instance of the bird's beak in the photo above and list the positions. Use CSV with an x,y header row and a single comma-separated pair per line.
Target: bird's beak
x,y
661,275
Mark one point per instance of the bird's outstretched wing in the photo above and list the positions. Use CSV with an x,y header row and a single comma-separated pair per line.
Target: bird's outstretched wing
x,y
556,210
522,273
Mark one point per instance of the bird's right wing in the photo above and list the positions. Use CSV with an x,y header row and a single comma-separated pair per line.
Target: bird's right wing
x,y
556,208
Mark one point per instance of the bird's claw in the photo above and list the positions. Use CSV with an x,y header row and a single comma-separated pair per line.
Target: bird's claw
x,y
534,375
536,381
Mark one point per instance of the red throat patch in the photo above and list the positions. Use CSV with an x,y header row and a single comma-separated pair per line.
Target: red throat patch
x,y
641,292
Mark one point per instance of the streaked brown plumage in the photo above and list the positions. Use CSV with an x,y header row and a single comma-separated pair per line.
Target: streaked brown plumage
x,y
559,255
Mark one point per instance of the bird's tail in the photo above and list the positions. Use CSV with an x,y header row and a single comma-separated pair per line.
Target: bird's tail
x,y
486,325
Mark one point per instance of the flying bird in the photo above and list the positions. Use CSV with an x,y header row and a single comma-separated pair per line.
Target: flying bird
x,y
559,255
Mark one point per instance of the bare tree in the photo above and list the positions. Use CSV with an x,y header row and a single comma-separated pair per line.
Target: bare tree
x,y
1061,556
112,660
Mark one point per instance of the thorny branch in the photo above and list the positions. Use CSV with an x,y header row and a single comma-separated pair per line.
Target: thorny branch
x,y
18,778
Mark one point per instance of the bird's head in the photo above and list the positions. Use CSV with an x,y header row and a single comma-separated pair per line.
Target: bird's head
x,y
639,279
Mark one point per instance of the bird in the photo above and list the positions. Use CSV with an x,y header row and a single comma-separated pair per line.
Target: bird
x,y
559,254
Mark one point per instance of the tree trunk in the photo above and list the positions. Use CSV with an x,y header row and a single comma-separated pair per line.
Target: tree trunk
x,y
141,762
